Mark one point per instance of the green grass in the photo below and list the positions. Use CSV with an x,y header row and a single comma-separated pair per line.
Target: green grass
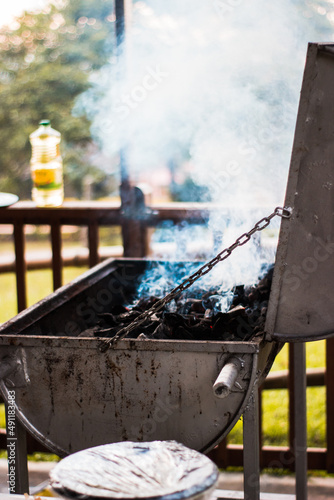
x,y
2,417
39,285
36,457
275,405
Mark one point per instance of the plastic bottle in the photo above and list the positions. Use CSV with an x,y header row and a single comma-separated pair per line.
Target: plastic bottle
x,y
46,166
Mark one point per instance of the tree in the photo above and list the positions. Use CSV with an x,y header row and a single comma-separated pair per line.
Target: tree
x,y
45,62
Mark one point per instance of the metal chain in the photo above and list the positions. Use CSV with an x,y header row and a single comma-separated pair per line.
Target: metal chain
x,y
242,240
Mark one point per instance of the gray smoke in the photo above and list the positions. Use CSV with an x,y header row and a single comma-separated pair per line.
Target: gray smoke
x,y
213,85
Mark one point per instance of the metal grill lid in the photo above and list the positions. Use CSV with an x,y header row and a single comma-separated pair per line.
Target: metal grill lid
x,y
301,306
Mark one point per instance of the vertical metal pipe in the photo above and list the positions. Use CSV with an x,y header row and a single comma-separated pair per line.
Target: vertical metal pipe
x,y
329,379
126,193
20,266
291,395
120,39
93,243
251,448
260,427
300,447
57,263
120,21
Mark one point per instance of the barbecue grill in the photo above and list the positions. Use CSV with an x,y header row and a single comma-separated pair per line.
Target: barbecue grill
x,y
71,396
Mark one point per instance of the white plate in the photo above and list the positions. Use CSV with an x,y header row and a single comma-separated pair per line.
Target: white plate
x,y
7,199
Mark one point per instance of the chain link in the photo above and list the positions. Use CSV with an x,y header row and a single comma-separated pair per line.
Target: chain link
x,y
224,254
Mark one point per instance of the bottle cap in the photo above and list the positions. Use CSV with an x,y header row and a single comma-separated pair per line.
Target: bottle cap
x,y
44,122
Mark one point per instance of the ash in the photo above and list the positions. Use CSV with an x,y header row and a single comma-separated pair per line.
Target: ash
x,y
194,318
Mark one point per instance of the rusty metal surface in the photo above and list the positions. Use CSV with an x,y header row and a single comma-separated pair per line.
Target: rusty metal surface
x,y
302,300
71,396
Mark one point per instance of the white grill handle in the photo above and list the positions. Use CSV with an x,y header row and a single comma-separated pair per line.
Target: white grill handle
x,y
226,378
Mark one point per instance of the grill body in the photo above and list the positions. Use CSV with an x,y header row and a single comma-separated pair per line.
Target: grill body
x,y
70,396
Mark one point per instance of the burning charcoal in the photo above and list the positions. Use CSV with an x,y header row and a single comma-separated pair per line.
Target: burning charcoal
x,y
145,303
253,316
183,307
211,302
89,332
173,326
201,331
208,313
191,327
161,332
197,306
218,303
206,295
191,305
267,278
220,323
239,294
150,326
107,319
263,307
221,320
182,334
173,320
127,317
194,319
262,293
147,328
171,306
118,309
250,294
243,329
205,323
236,311
106,332
142,336
204,316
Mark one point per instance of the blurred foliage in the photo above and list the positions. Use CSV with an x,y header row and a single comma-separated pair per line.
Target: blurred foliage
x,y
46,58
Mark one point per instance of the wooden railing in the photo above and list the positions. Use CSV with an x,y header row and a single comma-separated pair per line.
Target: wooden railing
x,y
91,215
135,230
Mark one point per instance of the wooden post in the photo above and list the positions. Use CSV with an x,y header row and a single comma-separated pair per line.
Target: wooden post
x,y
219,455
300,444
291,388
20,266
93,243
252,448
260,425
329,378
134,229
57,263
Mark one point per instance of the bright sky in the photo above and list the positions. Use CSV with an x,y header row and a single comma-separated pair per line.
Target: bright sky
x,y
12,8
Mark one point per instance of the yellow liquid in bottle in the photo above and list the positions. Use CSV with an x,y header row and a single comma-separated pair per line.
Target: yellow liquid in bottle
x,y
46,167
48,190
